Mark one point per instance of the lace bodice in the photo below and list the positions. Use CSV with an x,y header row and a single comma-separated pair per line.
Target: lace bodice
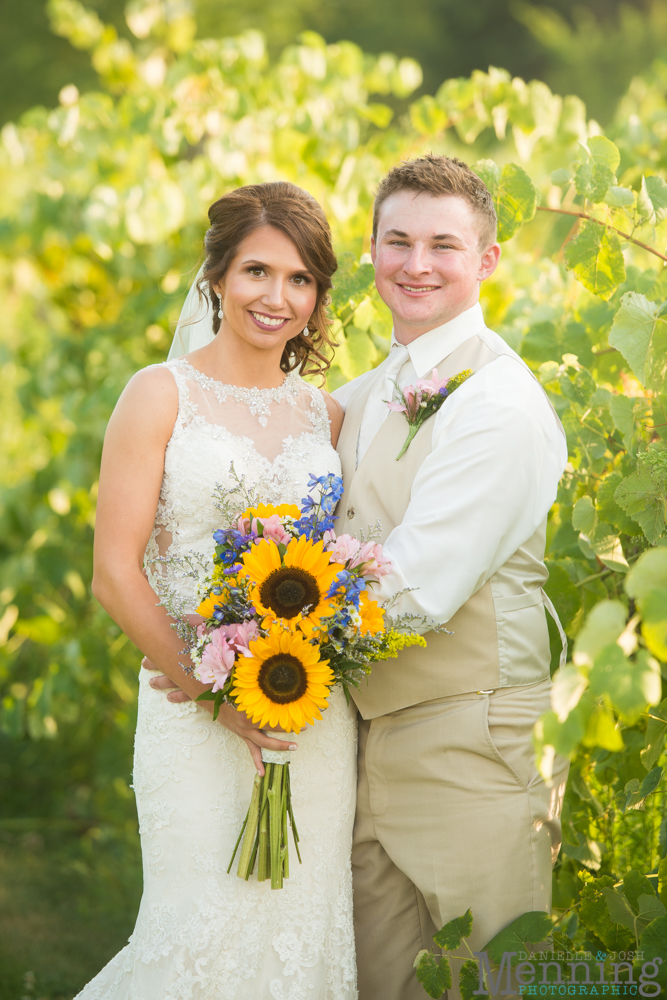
x,y
273,437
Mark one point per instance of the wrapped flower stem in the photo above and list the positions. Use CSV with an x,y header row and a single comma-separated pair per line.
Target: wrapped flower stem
x,y
264,831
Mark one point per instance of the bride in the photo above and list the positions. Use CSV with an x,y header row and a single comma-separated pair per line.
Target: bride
x,y
202,934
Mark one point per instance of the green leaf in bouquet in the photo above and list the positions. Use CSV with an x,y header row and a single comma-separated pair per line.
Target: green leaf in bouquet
x,y
528,929
515,200
601,629
469,979
594,915
563,593
596,258
654,739
450,936
434,975
633,329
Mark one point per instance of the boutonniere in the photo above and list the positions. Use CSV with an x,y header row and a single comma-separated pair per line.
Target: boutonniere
x,y
420,401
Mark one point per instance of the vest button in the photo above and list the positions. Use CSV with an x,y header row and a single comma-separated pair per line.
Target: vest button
x,y
350,512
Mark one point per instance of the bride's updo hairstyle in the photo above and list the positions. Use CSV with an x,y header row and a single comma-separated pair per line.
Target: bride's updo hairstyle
x,y
297,215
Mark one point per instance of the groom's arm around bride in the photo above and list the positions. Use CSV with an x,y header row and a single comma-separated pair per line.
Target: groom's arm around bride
x,y
451,811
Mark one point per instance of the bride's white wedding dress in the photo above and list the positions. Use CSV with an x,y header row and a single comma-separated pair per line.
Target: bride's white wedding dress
x,y
202,934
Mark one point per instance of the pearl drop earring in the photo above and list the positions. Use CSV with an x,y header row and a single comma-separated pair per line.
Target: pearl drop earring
x,y
220,313
305,331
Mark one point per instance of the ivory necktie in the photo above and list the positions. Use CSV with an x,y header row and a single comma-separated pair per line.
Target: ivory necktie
x,y
384,390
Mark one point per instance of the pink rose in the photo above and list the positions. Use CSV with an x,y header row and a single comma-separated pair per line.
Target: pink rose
x,y
371,560
273,529
345,548
217,661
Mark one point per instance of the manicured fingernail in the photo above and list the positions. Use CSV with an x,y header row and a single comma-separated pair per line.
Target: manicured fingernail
x,y
293,746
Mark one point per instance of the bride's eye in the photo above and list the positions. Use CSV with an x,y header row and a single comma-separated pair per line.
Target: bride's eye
x,y
301,280
256,272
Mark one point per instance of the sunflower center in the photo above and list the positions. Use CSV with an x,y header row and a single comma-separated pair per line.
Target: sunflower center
x,y
283,678
288,590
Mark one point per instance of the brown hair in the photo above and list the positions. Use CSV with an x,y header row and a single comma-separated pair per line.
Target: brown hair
x,y
298,216
441,175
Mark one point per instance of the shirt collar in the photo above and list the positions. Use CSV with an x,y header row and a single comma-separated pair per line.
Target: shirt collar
x,y
429,350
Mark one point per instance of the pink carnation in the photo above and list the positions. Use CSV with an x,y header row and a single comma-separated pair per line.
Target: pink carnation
x,y
345,548
217,661
239,636
273,529
371,560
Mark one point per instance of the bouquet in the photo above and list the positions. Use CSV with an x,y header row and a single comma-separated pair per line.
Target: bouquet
x,y
287,614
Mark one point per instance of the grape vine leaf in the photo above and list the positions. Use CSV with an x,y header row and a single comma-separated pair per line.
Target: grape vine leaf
x,y
594,915
469,979
563,593
515,200
633,329
530,928
435,976
656,730
596,258
643,499
652,941
584,516
652,200
451,935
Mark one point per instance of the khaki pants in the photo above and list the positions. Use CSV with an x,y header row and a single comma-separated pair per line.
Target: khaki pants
x,y
451,814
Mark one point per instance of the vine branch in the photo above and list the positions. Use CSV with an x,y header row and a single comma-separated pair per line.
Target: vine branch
x,y
591,218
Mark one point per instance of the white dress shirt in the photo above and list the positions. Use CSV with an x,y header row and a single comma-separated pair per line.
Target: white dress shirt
x,y
487,485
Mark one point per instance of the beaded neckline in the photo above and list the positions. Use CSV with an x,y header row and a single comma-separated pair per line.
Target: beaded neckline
x,y
257,400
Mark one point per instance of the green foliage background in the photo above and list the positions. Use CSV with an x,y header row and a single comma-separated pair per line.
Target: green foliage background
x,y
102,209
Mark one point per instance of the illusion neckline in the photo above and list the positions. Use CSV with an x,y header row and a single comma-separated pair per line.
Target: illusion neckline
x,y
288,383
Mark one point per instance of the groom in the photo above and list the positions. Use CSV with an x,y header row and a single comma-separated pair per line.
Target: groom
x,y
451,812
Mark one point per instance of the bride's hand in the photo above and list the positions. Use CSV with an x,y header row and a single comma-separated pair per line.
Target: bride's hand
x,y
239,723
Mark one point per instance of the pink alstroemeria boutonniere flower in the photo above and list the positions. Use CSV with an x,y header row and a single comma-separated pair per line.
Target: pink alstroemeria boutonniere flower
x,y
420,401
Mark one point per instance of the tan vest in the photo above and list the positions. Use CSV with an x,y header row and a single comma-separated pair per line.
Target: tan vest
x,y
500,636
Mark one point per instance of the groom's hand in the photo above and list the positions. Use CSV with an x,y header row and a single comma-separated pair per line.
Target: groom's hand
x,y
164,683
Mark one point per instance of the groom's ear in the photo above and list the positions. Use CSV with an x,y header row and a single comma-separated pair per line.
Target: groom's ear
x,y
374,250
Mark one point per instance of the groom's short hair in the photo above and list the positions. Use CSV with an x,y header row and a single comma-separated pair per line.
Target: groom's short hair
x,y
437,176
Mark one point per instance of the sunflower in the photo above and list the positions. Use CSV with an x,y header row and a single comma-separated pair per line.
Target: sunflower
x,y
207,606
268,510
284,683
286,586
372,616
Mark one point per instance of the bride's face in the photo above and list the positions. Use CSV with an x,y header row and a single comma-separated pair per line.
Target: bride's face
x,y
268,294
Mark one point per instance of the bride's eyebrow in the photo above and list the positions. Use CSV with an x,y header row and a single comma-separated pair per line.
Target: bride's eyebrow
x,y
252,262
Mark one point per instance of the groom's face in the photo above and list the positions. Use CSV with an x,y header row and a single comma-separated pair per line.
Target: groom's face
x,y
428,260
